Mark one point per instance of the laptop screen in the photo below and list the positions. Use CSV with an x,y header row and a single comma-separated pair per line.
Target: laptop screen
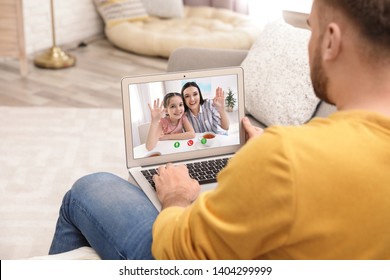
x,y
186,114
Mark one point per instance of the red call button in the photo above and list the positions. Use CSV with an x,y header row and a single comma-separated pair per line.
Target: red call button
x,y
190,143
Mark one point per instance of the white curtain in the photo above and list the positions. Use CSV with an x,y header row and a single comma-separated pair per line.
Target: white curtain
x,y
140,96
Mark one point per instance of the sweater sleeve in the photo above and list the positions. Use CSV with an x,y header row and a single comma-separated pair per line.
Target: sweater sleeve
x,y
248,215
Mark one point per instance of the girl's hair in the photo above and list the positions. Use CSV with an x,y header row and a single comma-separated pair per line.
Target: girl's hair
x,y
168,96
187,85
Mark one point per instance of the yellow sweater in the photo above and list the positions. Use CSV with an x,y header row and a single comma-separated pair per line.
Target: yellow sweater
x,y
317,191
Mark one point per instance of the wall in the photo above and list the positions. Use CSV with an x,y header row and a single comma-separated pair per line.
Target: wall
x,y
75,21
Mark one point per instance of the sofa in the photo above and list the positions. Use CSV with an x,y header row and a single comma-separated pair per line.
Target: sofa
x,y
277,78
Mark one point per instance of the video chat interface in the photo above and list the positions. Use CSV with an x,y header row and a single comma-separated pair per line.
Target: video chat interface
x,y
143,94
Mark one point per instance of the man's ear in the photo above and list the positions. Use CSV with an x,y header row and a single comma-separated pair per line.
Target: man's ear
x,y
332,42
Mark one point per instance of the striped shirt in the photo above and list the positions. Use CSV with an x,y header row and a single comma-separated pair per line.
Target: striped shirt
x,y
207,120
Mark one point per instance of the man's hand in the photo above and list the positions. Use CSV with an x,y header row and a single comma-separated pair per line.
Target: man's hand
x,y
175,187
251,131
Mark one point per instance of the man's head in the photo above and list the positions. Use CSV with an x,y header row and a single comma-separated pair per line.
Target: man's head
x,y
346,29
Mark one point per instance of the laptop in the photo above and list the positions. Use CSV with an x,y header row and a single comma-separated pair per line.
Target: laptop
x,y
200,153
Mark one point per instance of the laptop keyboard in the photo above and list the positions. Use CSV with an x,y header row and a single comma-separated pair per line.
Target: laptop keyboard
x,y
204,172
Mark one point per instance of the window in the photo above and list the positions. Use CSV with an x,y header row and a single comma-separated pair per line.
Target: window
x,y
264,11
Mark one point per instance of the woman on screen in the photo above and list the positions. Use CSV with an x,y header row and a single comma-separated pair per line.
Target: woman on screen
x,y
173,126
205,114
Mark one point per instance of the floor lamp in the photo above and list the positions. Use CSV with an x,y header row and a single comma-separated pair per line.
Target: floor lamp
x,y
54,58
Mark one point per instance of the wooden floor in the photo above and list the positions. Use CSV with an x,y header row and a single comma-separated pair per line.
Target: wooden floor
x,y
93,83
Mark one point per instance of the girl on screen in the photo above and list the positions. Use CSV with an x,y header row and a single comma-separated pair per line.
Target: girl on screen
x,y
173,126
205,115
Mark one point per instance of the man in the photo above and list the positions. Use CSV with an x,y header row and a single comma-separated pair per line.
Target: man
x,y
317,191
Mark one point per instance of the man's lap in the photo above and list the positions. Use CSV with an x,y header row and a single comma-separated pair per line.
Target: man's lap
x,y
114,216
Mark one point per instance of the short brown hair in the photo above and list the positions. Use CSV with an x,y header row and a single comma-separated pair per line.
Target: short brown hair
x,y
372,17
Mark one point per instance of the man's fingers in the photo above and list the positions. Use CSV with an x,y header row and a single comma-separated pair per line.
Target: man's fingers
x,y
251,130
247,124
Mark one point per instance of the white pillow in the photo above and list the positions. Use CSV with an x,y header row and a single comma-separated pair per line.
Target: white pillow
x,y
164,8
117,11
278,89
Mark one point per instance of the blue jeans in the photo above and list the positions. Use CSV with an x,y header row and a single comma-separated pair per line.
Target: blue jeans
x,y
107,213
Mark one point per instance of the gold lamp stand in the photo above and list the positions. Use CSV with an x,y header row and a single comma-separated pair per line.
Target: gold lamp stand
x,y
54,58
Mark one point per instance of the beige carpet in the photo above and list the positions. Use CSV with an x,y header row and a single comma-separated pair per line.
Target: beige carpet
x,y
42,152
